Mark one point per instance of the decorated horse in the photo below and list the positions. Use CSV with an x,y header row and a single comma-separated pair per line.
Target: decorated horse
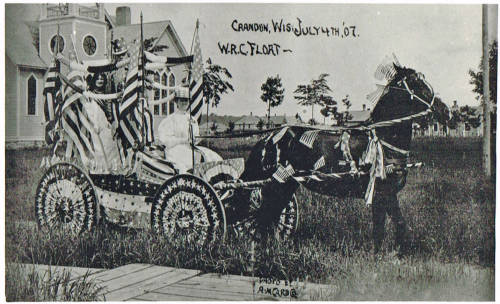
x,y
366,161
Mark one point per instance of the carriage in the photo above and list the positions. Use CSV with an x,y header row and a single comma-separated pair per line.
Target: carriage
x,y
196,206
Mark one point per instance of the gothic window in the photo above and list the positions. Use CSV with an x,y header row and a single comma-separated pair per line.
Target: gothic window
x,y
171,81
171,105
54,42
31,102
164,93
89,45
156,95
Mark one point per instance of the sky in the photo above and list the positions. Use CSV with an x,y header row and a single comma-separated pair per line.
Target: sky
x,y
441,41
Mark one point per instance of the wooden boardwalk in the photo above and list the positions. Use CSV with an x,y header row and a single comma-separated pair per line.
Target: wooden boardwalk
x,y
143,282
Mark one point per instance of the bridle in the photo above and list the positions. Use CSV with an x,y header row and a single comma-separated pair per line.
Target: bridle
x,y
391,122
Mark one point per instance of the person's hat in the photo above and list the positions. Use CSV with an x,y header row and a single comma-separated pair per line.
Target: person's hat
x,y
182,92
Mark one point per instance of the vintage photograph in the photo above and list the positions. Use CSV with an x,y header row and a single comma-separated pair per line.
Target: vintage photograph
x,y
250,151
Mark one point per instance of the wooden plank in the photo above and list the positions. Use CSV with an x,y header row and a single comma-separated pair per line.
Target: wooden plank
x,y
153,296
130,279
228,277
213,294
230,286
171,276
118,272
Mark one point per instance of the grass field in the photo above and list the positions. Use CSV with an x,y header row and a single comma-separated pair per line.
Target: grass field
x,y
449,207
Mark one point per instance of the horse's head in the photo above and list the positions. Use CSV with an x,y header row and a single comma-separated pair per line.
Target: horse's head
x,y
407,93
407,96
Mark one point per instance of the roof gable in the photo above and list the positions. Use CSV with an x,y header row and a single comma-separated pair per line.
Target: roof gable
x,y
248,120
19,45
163,30
358,116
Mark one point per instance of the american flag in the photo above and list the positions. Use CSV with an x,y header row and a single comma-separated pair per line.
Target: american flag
x,y
50,91
78,128
308,138
196,85
130,112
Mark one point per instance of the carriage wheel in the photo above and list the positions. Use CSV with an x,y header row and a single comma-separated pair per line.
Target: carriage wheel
x,y
283,227
188,209
65,199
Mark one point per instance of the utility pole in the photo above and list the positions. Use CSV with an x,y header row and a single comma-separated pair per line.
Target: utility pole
x,y
486,97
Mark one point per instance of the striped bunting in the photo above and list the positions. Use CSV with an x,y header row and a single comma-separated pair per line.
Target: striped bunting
x,y
279,135
196,85
308,138
319,163
282,174
154,168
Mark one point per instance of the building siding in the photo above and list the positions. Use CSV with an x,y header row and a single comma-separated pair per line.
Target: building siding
x,y
10,99
31,126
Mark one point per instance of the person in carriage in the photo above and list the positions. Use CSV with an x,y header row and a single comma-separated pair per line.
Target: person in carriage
x,y
177,133
99,112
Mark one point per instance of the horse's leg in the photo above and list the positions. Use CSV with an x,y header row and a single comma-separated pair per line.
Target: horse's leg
x,y
275,197
378,218
399,222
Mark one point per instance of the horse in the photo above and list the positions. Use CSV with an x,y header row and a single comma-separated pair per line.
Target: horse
x,y
331,161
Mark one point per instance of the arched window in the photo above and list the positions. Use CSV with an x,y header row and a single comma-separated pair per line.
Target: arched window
x,y
156,94
164,93
171,83
31,96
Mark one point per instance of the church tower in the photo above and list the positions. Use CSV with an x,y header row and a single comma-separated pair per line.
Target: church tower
x,y
83,30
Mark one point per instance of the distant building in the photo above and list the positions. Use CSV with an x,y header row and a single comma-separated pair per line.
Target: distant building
x,y
357,116
85,29
436,129
251,122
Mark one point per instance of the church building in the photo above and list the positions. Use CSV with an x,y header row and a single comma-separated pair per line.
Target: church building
x,y
34,31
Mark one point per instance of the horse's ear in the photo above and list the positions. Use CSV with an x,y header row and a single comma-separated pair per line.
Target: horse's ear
x,y
397,68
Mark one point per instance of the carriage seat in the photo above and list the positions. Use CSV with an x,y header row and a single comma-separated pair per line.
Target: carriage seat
x,y
209,171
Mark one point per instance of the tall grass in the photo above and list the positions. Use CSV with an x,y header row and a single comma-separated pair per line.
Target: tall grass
x,y
449,208
25,284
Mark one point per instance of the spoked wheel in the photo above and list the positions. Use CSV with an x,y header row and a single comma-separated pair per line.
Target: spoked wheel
x,y
282,227
65,199
186,208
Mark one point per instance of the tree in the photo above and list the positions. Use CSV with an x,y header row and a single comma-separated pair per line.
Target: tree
x,y
149,44
329,108
343,117
213,127
477,77
230,126
312,122
260,124
313,93
215,83
272,94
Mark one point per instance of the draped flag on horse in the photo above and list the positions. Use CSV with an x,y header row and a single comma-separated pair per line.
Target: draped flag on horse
x,y
196,84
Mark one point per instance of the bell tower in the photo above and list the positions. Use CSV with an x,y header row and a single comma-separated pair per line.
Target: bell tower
x,y
82,31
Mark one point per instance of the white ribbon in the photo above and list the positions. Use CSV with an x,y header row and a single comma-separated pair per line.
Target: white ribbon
x,y
375,156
